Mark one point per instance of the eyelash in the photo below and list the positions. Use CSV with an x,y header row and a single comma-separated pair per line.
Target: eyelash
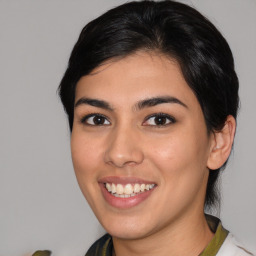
x,y
168,118
85,119
160,115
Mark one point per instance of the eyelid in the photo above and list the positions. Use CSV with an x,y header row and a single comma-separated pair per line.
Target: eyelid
x,y
169,117
86,117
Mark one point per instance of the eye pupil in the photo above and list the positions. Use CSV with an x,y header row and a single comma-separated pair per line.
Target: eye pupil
x,y
160,120
98,120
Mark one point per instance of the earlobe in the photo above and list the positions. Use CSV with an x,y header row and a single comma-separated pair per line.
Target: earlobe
x,y
222,142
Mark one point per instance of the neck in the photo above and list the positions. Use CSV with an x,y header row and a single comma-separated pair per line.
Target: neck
x,y
187,236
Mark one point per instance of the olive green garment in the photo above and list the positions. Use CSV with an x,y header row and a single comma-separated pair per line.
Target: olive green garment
x,y
219,237
104,246
42,253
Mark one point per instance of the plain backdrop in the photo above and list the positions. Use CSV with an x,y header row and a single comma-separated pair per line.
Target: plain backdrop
x,y
41,206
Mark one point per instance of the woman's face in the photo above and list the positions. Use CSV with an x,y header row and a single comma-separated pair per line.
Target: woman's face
x,y
140,145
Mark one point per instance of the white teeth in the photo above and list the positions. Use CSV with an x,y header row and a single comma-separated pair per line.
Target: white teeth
x,y
108,186
113,188
136,188
119,189
128,190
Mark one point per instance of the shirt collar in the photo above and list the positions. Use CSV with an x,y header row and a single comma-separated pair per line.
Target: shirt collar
x,y
220,234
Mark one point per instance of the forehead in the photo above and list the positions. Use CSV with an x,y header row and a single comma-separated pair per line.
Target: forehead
x,y
136,76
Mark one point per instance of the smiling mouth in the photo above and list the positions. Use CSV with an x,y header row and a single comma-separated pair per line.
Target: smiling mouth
x,y
128,190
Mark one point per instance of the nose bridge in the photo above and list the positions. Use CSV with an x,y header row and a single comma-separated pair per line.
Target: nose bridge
x,y
123,147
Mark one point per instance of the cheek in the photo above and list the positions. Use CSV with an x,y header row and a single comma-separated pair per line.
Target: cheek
x,y
85,155
181,163
180,153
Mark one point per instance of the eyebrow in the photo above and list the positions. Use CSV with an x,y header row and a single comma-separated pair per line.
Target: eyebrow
x,y
151,102
94,102
158,100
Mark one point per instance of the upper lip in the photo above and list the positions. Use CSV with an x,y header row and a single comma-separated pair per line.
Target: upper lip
x,y
124,180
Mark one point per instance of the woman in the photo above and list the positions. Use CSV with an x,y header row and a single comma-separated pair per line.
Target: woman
x,y
152,96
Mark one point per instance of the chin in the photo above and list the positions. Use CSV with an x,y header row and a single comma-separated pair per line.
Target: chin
x,y
127,228
128,234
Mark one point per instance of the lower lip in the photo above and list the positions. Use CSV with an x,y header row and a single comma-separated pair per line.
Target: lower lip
x,y
124,203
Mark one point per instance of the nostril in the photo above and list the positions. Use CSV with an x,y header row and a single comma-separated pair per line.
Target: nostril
x,y
122,148
121,158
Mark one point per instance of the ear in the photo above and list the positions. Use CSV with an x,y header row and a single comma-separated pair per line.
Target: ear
x,y
222,142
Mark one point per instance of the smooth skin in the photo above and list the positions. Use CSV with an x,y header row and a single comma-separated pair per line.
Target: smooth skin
x,y
166,143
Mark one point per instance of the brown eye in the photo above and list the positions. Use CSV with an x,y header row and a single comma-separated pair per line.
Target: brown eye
x,y
98,120
95,119
159,120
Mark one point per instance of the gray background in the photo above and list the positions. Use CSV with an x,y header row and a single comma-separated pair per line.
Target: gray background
x,y
41,206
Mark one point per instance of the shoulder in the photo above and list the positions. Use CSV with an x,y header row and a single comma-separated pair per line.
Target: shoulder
x,y
102,247
42,253
231,247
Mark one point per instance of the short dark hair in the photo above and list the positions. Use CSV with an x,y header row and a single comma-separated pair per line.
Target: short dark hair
x,y
171,28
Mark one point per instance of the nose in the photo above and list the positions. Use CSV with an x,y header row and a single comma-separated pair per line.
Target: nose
x,y
123,148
